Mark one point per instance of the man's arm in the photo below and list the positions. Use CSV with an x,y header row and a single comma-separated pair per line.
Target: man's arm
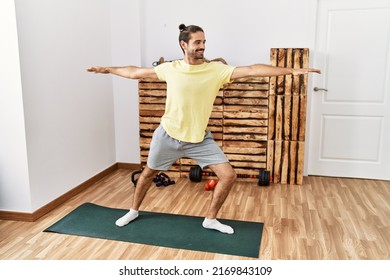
x,y
130,72
263,70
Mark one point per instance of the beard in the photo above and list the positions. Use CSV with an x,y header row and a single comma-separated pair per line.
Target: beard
x,y
198,54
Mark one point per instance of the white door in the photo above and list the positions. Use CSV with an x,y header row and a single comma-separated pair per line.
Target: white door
x,y
350,122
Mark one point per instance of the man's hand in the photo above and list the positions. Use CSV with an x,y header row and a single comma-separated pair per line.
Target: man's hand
x,y
301,71
264,70
99,69
130,72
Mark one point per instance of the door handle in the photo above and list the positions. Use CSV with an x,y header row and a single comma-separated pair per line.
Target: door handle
x,y
319,89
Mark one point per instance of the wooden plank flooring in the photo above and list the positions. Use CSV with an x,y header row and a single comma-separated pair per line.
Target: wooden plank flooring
x,y
325,218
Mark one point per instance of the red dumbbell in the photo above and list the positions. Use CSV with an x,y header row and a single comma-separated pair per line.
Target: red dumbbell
x,y
210,184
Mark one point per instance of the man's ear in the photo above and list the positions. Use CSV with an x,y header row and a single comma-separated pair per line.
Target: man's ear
x,y
183,45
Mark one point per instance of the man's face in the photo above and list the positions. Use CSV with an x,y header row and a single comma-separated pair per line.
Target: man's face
x,y
196,46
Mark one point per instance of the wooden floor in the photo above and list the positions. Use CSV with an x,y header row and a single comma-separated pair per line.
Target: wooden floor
x,y
325,218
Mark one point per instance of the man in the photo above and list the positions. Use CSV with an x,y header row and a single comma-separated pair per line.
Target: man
x,y
192,85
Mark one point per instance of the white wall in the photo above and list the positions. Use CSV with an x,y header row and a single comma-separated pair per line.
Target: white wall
x,y
14,182
68,112
240,31
126,50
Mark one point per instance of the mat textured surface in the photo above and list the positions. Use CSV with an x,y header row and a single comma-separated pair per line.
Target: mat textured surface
x,y
159,229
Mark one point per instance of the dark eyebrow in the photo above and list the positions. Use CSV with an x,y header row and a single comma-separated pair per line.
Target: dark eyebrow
x,y
197,41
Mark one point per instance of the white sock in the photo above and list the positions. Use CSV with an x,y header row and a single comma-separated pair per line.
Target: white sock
x,y
214,224
130,216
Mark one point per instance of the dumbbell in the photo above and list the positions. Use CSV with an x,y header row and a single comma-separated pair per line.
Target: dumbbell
x,y
211,184
161,179
264,175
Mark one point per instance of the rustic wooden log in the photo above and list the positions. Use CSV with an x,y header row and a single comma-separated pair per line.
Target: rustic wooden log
x,y
305,58
288,78
287,117
151,113
241,144
252,79
239,130
247,93
297,53
271,117
150,93
295,118
302,117
144,133
273,80
279,117
285,162
293,162
145,140
241,150
149,119
247,164
215,129
245,86
270,156
244,108
297,64
300,162
250,158
152,85
150,80
253,172
151,107
218,136
215,122
148,126
305,64
277,161
144,146
246,101
218,108
218,101
244,122
217,115
245,137
281,63
272,85
246,115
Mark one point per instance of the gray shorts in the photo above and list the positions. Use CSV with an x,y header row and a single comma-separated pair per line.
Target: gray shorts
x,y
165,150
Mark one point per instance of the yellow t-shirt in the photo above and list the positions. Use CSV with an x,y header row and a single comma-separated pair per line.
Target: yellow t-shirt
x,y
191,91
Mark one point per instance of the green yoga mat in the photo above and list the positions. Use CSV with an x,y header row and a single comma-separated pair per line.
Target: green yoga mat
x,y
159,229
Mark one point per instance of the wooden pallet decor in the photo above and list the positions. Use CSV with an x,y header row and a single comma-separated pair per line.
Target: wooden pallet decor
x,y
238,122
287,117
258,122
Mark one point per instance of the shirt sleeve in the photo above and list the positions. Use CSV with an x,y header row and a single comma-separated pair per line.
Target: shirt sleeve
x,y
225,73
161,70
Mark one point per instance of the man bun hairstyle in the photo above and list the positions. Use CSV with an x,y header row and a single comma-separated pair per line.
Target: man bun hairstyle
x,y
182,27
186,31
